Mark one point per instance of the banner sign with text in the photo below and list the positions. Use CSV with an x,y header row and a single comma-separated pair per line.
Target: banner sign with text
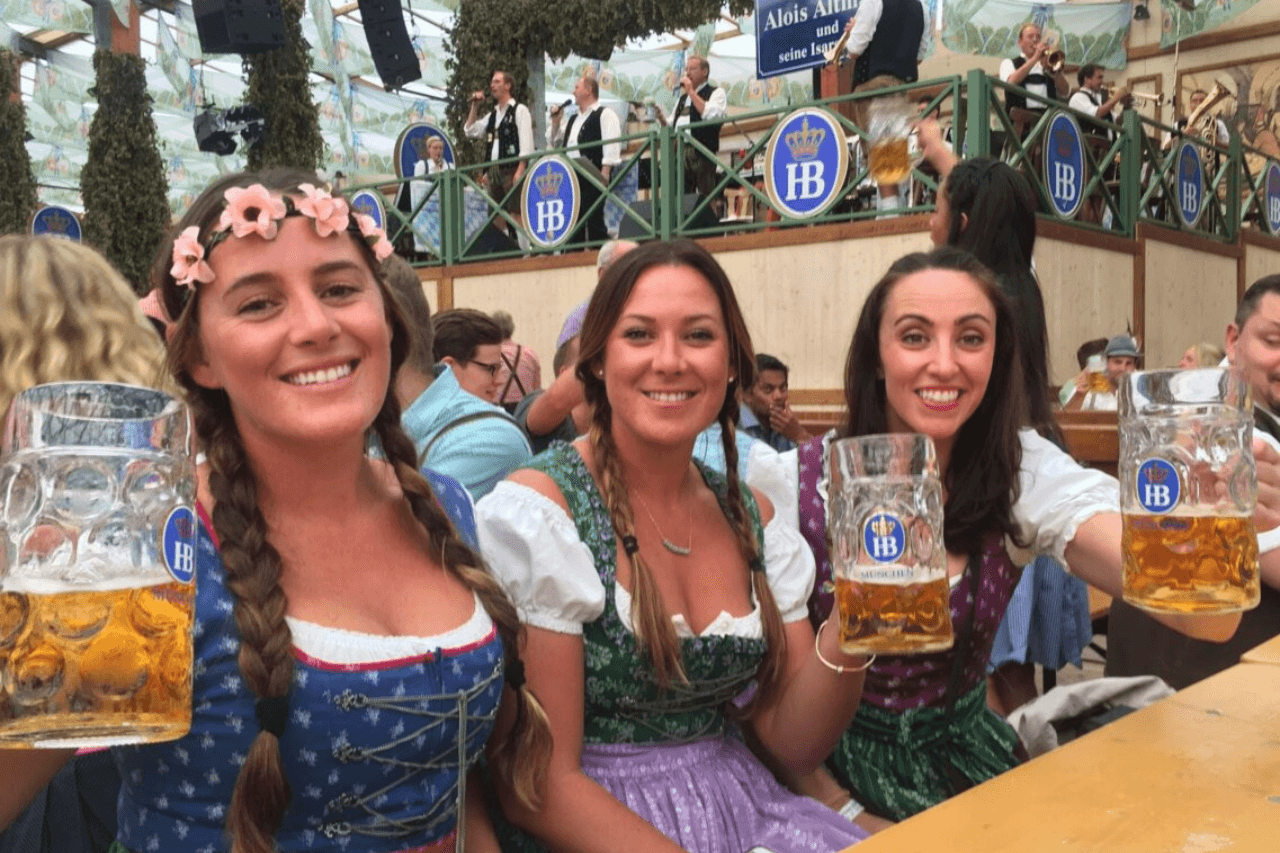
x,y
792,35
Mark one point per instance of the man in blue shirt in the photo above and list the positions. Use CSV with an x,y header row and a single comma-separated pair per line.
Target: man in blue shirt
x,y
765,412
456,433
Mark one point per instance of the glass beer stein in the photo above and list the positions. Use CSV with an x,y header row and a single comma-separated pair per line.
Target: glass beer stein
x,y
888,559
1188,487
97,564
893,151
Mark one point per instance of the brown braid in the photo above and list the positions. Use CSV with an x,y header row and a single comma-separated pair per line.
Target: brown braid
x,y
253,568
655,635
524,752
771,671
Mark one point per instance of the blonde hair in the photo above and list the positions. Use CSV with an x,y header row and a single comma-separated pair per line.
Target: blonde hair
x,y
1208,354
66,314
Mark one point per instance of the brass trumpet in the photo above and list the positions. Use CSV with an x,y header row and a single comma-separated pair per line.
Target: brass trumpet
x,y
1146,96
1055,61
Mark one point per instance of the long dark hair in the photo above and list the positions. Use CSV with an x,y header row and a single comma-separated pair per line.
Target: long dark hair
x,y
654,632
253,565
981,478
1000,231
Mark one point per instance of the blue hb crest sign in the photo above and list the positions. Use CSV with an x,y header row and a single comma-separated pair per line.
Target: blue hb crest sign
x,y
549,200
54,221
806,163
1272,197
370,204
1158,486
179,544
1064,165
884,538
1189,184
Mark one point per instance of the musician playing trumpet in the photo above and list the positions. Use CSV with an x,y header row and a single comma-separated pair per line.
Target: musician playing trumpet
x,y
1095,99
1032,71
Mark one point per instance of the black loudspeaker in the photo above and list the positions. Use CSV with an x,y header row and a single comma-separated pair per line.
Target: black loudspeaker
x,y
239,26
629,229
389,42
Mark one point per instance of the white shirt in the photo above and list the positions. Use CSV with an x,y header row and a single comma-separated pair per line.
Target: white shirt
x,y
532,547
524,127
1082,101
717,106
864,27
610,131
1006,71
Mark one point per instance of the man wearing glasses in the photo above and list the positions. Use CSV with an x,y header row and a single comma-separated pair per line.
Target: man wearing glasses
x,y
452,363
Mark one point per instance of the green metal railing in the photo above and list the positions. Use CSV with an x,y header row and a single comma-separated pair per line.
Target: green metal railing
x,y
1131,178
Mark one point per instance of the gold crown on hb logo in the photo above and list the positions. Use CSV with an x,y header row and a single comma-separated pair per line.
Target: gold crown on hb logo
x,y
883,525
57,223
548,182
804,143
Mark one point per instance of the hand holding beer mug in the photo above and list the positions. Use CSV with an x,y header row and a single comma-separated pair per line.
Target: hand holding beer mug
x,y
888,557
892,156
97,564
1188,491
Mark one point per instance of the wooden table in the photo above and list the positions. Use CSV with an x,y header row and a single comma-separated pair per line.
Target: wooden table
x,y
1268,652
1195,773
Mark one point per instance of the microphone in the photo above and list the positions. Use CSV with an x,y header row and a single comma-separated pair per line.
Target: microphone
x,y
567,102
557,110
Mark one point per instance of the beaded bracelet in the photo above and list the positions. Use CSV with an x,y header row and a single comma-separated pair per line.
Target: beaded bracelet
x,y
834,667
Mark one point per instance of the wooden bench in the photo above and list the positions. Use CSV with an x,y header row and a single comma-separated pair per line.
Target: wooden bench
x,y
1093,439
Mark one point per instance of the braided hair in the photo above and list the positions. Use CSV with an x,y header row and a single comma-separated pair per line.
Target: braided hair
x,y
655,635
254,566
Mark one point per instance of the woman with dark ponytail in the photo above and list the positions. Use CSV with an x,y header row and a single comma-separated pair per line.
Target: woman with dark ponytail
x,y
665,607
351,650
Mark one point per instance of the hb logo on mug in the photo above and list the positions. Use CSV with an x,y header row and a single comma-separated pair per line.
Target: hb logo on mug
x,y
883,538
1158,486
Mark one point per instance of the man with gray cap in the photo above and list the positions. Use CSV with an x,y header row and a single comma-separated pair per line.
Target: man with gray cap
x,y
1121,356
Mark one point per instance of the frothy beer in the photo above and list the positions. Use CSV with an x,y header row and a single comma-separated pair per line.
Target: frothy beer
x,y
893,618
1190,564
889,161
95,668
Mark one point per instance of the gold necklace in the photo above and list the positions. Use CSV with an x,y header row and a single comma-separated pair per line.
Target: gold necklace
x,y
667,543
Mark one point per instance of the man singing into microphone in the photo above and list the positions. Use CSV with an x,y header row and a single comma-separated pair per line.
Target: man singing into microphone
x,y
507,131
699,101
594,123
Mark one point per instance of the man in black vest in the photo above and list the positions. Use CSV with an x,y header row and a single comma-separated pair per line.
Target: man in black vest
x,y
507,132
699,101
1029,72
887,39
1137,645
594,123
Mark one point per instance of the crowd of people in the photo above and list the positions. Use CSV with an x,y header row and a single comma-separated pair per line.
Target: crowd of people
x,y
443,607
633,623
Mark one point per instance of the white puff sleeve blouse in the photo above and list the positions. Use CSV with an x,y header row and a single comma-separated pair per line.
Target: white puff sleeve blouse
x,y
532,547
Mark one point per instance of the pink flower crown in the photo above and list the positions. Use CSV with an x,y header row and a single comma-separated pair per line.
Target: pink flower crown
x,y
256,210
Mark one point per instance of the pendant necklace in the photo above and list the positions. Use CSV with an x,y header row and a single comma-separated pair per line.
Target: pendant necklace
x,y
667,543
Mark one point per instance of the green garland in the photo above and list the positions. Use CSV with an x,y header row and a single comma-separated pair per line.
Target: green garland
x,y
126,194
18,197
493,34
279,86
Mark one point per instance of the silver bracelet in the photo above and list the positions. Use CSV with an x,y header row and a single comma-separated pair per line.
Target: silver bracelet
x,y
817,638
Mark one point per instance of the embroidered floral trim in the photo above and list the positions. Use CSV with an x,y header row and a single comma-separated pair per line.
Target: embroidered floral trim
x,y
256,210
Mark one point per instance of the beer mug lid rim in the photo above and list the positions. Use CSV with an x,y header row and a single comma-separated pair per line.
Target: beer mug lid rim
x,y
170,405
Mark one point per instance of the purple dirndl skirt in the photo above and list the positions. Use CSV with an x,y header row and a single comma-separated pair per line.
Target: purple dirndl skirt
x,y
714,796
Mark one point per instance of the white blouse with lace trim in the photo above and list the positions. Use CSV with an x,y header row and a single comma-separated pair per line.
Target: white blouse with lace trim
x,y
337,645
532,546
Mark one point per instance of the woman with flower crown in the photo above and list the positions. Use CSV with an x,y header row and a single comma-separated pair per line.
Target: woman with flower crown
x,y
328,715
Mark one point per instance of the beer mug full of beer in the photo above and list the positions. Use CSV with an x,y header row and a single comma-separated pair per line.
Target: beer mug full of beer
x,y
97,563
888,558
1188,487
894,150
